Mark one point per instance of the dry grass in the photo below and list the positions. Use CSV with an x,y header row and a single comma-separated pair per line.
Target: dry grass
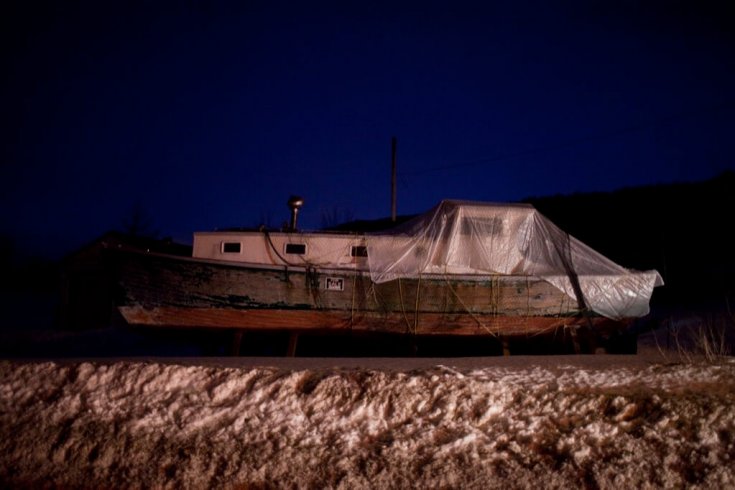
x,y
705,338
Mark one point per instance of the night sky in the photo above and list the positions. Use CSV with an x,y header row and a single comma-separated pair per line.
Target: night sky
x,y
210,114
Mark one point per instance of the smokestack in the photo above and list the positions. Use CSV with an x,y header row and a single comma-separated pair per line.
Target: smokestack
x,y
294,203
394,143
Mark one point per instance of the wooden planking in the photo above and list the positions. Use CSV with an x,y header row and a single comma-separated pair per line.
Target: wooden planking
x,y
160,281
330,320
150,281
168,291
504,295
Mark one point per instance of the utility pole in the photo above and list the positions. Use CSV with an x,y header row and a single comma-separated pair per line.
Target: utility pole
x,y
394,143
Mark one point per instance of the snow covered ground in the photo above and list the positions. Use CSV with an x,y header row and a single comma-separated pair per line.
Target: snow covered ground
x,y
455,424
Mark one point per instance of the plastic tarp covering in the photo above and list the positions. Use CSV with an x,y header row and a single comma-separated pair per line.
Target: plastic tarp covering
x,y
471,238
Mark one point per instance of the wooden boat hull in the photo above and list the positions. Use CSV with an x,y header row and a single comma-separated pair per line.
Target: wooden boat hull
x,y
171,291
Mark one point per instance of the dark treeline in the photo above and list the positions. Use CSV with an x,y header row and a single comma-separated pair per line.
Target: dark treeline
x,y
682,230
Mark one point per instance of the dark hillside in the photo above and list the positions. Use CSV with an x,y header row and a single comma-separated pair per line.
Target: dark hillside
x,y
682,230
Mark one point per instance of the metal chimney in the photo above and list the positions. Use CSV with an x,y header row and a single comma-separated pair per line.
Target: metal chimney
x,y
294,204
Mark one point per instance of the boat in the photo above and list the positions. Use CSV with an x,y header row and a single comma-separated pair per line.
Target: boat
x,y
463,268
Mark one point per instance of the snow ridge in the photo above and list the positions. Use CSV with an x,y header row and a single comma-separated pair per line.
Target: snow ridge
x,y
137,424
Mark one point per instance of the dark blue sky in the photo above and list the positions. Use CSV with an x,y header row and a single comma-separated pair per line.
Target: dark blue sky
x,y
210,114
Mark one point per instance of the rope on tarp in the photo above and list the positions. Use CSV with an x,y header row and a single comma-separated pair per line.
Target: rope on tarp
x,y
352,303
472,314
359,300
410,328
275,250
311,272
312,284
403,306
565,255
494,294
416,307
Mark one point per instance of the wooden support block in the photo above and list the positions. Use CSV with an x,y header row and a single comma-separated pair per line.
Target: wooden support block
x,y
293,340
506,347
236,343
575,341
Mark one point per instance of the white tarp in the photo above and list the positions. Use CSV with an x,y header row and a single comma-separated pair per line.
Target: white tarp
x,y
461,237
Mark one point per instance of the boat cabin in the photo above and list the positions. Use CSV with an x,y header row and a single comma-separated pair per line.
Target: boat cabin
x,y
334,250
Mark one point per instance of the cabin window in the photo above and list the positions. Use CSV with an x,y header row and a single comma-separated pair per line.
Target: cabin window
x,y
358,251
231,247
296,248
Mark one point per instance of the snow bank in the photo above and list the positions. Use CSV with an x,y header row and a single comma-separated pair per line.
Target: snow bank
x,y
131,425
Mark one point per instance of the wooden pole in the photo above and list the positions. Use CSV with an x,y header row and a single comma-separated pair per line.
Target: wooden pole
x,y
236,343
394,143
293,340
506,347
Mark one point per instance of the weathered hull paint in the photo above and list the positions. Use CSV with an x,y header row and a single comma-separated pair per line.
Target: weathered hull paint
x,y
326,321
170,291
